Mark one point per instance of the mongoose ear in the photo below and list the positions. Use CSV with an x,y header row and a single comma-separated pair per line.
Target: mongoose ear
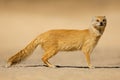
x,y
104,16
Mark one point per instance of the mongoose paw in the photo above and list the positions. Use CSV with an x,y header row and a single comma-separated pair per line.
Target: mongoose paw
x,y
52,66
8,65
91,67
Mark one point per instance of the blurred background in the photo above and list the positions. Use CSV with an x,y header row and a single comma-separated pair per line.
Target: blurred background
x,y
22,20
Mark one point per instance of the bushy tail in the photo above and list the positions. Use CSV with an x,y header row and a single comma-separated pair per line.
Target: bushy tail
x,y
21,55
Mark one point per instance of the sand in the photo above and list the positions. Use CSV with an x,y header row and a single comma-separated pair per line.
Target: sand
x,y
43,73
22,21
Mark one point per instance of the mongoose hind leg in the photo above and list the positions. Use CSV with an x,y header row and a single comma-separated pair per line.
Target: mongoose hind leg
x,y
47,55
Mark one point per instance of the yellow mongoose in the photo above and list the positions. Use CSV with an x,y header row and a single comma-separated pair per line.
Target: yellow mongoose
x,y
64,40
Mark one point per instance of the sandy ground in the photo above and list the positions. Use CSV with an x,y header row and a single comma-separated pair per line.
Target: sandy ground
x,y
22,21
42,73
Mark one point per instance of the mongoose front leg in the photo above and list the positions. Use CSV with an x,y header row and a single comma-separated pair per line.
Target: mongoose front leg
x,y
87,55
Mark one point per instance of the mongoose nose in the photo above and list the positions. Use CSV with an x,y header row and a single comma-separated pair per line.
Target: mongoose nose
x,y
101,24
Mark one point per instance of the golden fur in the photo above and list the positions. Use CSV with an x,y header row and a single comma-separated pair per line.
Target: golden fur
x,y
64,40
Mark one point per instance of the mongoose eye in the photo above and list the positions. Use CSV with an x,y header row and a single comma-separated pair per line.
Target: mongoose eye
x,y
104,20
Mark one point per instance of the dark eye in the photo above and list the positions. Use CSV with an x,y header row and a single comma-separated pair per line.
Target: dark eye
x,y
97,20
104,20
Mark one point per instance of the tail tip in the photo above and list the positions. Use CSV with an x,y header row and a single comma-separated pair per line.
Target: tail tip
x,y
8,64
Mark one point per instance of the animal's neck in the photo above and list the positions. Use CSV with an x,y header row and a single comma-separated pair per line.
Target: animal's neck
x,y
95,32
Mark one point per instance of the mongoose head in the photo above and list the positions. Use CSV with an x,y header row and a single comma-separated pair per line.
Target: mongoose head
x,y
99,24
99,21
